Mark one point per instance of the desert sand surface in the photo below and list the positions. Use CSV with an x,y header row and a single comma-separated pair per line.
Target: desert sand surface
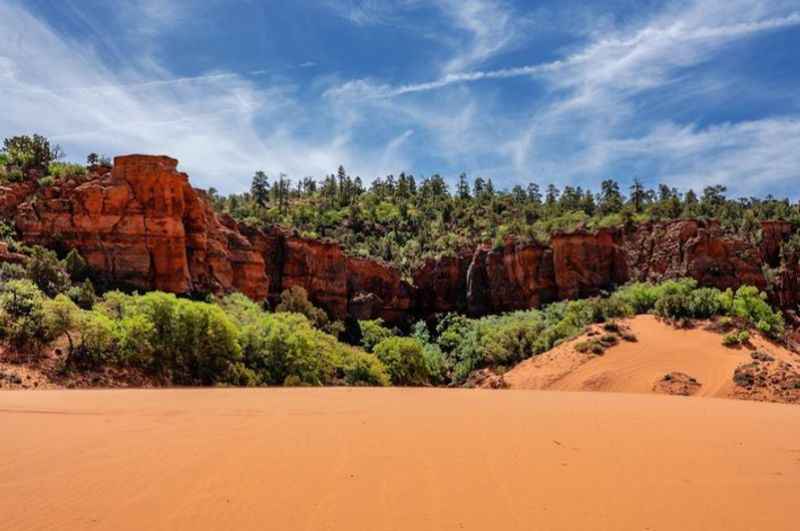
x,y
636,367
402,459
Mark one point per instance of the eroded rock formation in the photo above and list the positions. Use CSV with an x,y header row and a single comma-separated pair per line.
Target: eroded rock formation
x,y
141,223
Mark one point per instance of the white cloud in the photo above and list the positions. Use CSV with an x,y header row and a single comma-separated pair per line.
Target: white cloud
x,y
220,125
746,156
492,27
618,56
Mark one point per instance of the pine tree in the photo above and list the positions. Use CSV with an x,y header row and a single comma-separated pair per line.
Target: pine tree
x,y
259,188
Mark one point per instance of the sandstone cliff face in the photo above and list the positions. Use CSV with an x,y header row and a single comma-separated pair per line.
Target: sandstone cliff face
x,y
587,263
691,248
142,224
376,290
514,277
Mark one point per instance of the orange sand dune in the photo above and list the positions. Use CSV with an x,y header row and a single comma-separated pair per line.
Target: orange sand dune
x,y
636,367
402,459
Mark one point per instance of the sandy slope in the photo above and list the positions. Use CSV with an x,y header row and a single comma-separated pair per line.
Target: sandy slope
x,y
366,459
636,367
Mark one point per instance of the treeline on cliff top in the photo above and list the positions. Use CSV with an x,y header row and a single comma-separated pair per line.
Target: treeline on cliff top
x,y
47,303
404,220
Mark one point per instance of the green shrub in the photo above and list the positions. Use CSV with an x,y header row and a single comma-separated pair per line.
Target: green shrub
x,y
83,295
285,347
404,359
743,337
361,368
295,300
65,170
751,305
61,317
134,338
373,332
705,303
47,272
22,316
731,340
46,181
11,271
98,345
76,266
29,152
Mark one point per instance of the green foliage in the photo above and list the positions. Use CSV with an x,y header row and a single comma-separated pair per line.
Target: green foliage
x,y
751,305
11,271
285,347
65,170
7,231
404,359
46,181
83,294
97,341
61,317
29,152
642,297
295,300
405,219
373,332
22,316
47,272
196,342
730,340
76,266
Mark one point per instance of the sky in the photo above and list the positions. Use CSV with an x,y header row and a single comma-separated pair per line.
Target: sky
x,y
689,93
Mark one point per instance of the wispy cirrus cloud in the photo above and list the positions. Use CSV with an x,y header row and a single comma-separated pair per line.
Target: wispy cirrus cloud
x,y
648,41
213,122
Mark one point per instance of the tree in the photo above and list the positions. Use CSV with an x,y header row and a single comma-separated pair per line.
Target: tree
x,y
92,159
61,316
259,188
404,358
638,195
30,152
295,300
534,196
611,200
47,272
463,186
22,316
76,266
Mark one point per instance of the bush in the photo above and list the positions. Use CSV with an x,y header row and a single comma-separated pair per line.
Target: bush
x,y
360,368
373,332
705,303
30,152
47,272
731,340
643,296
751,305
46,181
61,317
11,271
404,359
83,295
22,316
98,345
65,170
76,266
295,300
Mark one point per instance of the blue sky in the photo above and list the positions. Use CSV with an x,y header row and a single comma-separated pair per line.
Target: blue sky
x,y
687,92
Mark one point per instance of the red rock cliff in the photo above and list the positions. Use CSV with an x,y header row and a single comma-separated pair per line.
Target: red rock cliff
x,y
142,224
